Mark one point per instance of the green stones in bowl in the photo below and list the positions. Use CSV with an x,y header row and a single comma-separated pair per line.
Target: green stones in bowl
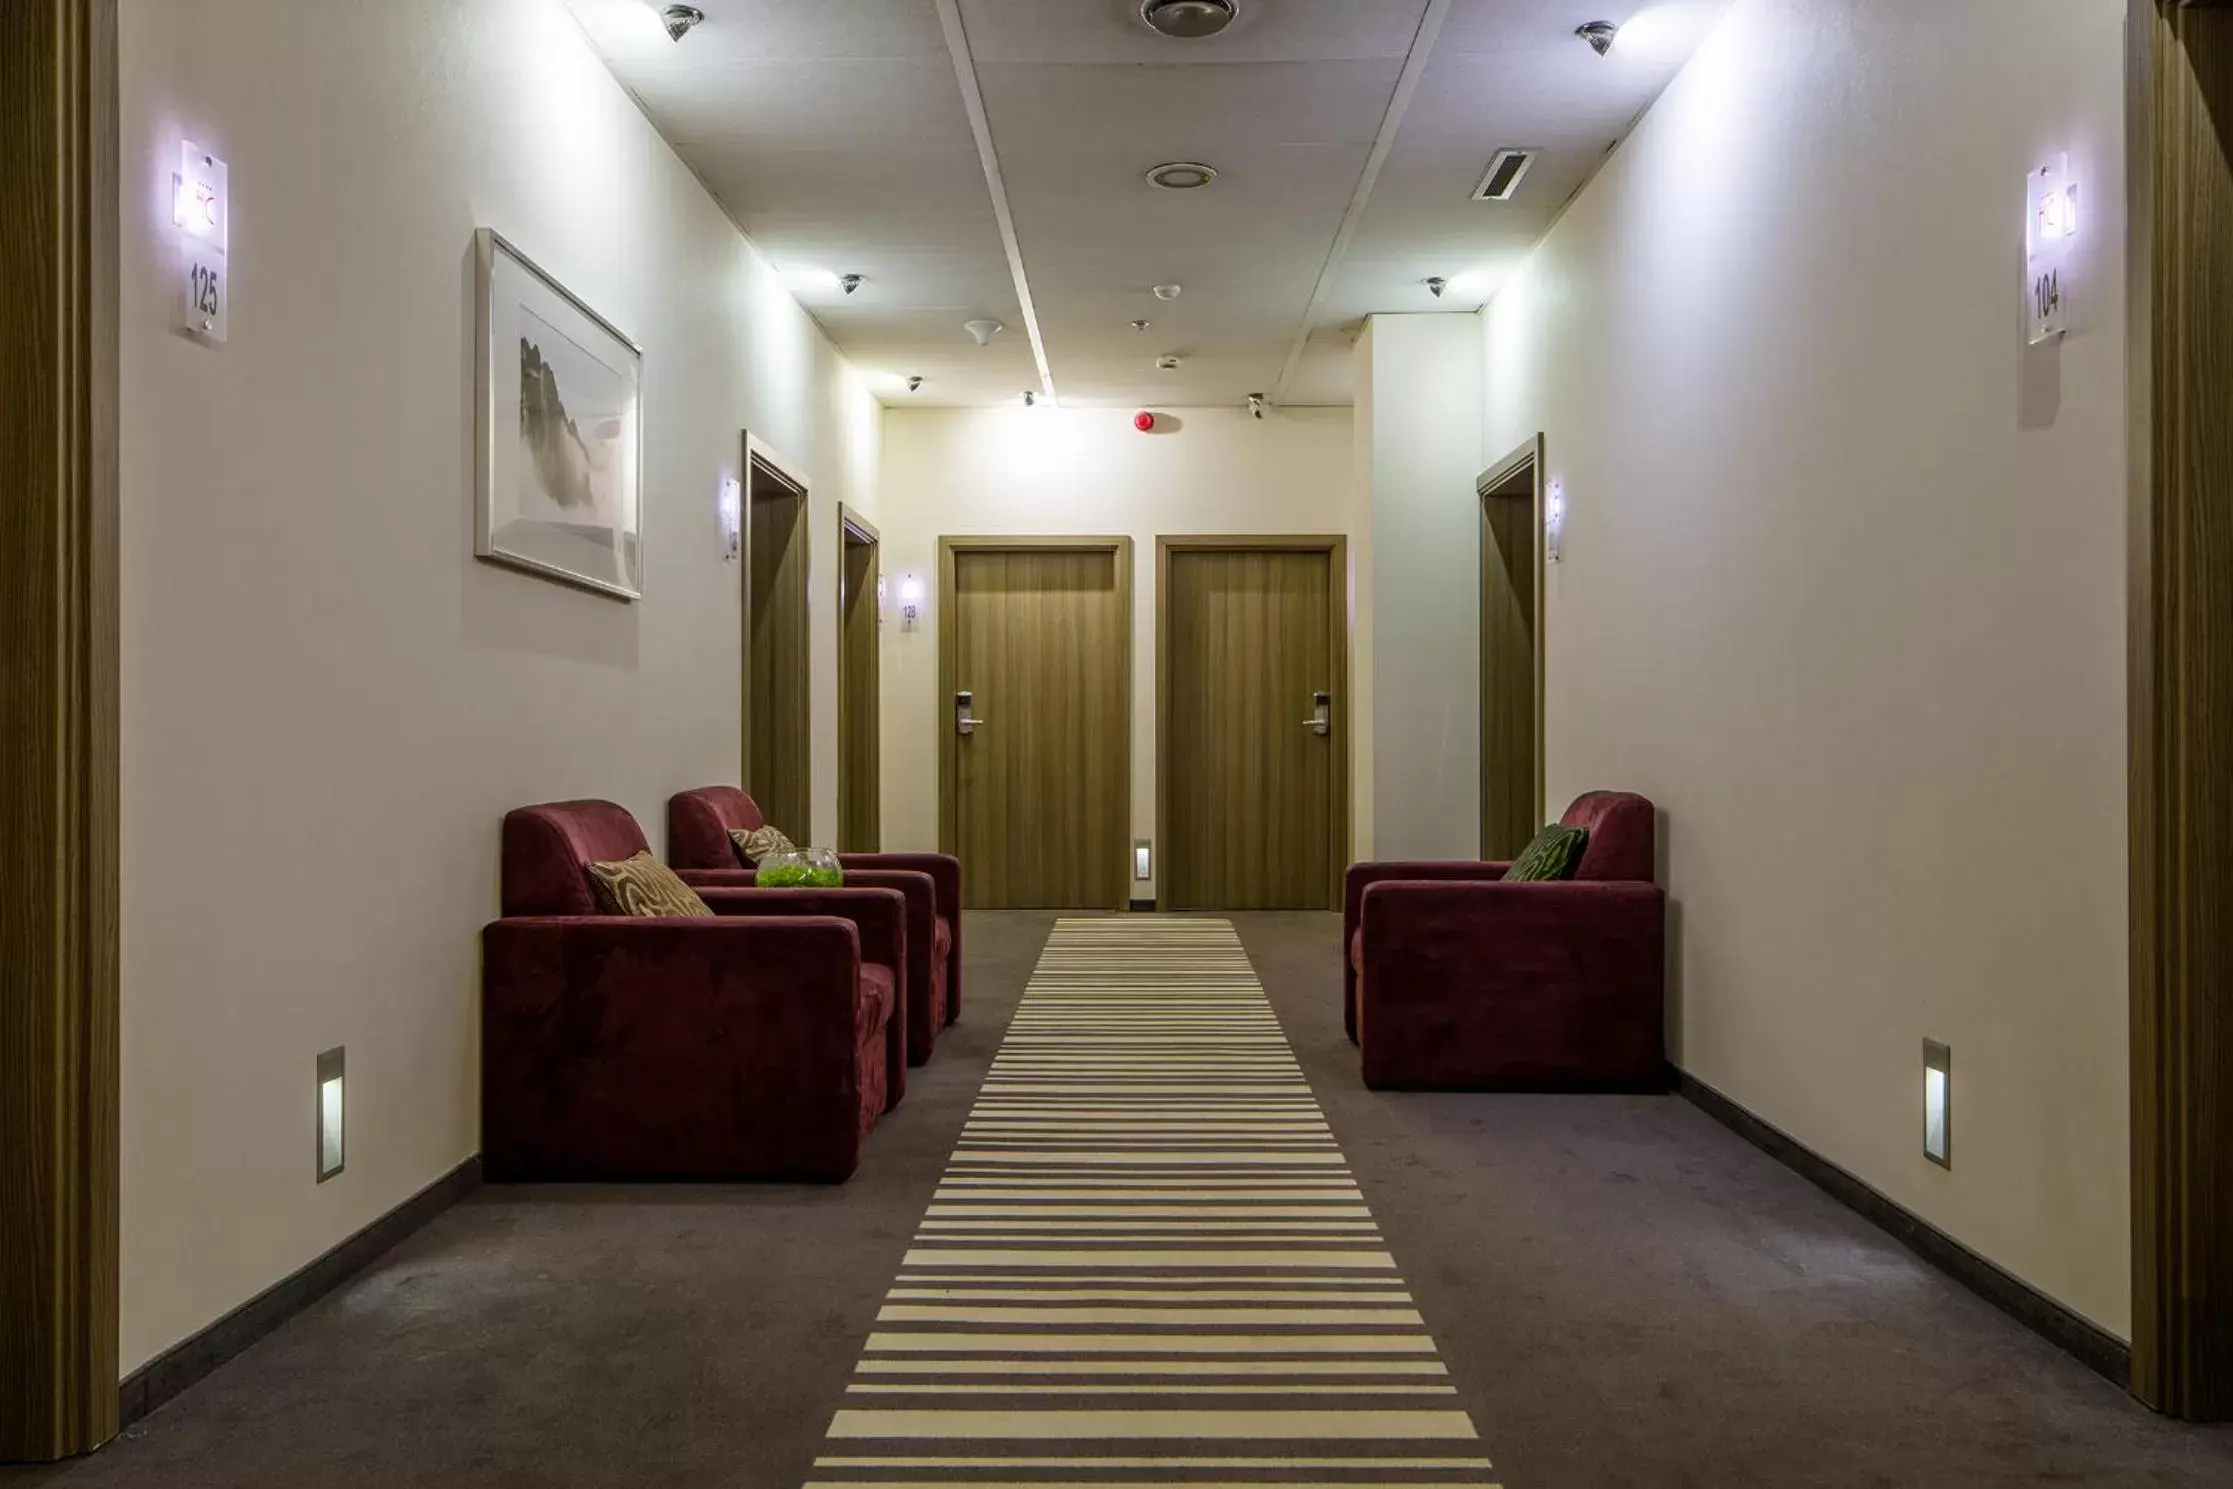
x,y
800,868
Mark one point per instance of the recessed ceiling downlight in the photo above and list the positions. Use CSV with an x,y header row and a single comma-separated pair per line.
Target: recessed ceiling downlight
x,y
1182,175
1189,20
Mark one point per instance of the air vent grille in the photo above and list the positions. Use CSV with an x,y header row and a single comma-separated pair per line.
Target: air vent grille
x,y
1504,175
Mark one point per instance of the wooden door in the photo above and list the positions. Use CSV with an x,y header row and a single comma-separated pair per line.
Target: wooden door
x,y
1039,790
859,732
1252,786
1511,662
778,709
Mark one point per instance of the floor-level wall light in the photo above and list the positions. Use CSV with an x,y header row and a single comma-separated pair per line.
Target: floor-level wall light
x,y
1143,860
333,1150
1938,1103
1554,521
732,518
910,600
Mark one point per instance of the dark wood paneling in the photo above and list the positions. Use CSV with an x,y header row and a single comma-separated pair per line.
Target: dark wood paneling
x,y
1037,801
859,708
58,729
779,719
1511,660
2182,748
1252,801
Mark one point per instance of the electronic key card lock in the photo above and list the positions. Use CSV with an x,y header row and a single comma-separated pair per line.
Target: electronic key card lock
x,y
966,721
1321,720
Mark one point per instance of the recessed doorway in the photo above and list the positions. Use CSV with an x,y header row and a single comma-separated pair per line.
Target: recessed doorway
x,y
778,709
859,728
1511,496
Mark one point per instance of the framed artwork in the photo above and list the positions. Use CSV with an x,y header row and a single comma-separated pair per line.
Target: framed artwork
x,y
560,473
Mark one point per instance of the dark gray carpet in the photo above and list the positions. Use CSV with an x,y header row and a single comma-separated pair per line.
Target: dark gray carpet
x,y
1627,1295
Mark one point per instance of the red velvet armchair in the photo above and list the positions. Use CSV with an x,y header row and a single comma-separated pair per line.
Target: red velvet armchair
x,y
1455,980
762,1043
700,850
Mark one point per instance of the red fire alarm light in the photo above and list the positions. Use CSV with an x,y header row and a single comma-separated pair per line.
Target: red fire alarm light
x,y
1144,422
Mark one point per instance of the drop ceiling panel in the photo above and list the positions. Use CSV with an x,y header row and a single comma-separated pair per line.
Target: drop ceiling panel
x,y
781,105
1185,109
629,32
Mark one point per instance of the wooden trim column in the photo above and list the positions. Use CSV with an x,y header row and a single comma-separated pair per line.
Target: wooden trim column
x,y
2182,716
58,728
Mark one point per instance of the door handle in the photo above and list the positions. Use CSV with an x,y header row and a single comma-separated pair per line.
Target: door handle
x,y
965,722
1321,720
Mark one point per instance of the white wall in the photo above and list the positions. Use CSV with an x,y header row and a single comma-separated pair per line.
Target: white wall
x,y
958,472
1843,589
1419,453
328,703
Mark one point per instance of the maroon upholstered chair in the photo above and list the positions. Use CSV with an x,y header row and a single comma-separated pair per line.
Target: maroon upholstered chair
x,y
700,850
1455,980
762,1043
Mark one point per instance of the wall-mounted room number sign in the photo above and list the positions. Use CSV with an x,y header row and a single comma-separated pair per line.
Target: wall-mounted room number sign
x,y
2051,223
203,214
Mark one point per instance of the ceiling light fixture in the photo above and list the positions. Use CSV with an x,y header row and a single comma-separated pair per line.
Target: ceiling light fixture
x,y
1189,20
1182,175
1437,285
1166,292
1599,34
984,329
681,20
851,282
1030,399
915,383
1141,325
1256,405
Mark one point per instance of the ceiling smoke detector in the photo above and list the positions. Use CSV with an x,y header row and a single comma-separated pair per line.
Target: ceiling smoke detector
x,y
1189,20
984,330
681,20
1167,292
1182,175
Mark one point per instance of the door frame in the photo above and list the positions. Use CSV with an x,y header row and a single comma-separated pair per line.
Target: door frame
x,y
950,548
853,529
1530,454
60,728
758,454
1339,623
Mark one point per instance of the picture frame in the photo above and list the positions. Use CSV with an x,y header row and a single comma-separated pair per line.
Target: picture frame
x,y
559,429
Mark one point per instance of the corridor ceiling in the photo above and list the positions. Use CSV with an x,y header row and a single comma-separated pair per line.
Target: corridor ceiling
x,y
962,155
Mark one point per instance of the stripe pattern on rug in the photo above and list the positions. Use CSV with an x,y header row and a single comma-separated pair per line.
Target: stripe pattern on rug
x,y
1147,1262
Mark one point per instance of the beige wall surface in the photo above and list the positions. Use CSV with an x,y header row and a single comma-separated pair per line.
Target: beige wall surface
x,y
957,472
328,703
1843,589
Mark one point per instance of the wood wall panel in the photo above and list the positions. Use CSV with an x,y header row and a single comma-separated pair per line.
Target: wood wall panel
x,y
58,729
779,720
1038,799
1252,800
2182,757
859,694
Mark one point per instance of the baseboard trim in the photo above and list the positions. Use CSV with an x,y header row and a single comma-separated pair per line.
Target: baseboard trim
x,y
2096,1348
196,1356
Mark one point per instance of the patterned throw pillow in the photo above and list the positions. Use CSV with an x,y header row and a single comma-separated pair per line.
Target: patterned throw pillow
x,y
760,843
1555,854
643,886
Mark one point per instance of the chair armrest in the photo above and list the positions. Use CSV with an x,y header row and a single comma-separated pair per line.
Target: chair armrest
x,y
1432,941
878,915
623,1046
944,870
1362,876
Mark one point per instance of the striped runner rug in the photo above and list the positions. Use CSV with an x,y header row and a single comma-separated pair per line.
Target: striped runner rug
x,y
1147,1261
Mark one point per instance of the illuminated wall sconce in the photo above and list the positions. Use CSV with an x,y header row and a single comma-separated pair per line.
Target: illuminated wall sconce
x,y
333,1150
910,601
1554,521
1143,860
883,598
732,518
1938,1102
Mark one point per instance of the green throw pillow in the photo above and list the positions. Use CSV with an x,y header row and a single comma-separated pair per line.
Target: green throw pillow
x,y
1555,854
